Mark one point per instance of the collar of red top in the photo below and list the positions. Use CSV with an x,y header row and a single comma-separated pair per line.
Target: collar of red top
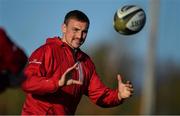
x,y
58,41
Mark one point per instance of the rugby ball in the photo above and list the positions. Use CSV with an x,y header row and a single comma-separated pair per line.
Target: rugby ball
x,y
129,19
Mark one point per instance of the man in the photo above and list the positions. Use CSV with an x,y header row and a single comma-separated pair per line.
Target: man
x,y
12,61
59,73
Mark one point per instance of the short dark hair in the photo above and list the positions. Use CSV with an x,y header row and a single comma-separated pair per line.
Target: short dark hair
x,y
76,14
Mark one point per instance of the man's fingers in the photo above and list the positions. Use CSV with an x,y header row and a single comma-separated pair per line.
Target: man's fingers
x,y
71,81
130,89
71,68
119,78
129,85
77,82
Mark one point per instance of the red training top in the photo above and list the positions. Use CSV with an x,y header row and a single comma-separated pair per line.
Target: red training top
x,y
46,65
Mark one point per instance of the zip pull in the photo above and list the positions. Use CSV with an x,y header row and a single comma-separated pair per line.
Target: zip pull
x,y
80,72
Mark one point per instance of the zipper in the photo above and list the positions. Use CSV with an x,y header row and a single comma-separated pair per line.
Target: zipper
x,y
80,70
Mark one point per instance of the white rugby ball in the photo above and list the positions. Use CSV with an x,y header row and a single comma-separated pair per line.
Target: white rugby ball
x,y
129,19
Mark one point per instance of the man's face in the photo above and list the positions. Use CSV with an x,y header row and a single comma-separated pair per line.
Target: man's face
x,y
74,33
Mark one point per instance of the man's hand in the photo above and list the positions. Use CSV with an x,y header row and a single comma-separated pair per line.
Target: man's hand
x,y
124,89
65,80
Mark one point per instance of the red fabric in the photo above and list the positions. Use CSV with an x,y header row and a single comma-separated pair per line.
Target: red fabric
x,y
12,61
46,65
12,58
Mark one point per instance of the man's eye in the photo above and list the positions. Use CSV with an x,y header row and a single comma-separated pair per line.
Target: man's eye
x,y
85,31
75,30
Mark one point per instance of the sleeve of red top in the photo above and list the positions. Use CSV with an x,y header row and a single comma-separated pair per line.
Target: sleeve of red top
x,y
101,94
35,73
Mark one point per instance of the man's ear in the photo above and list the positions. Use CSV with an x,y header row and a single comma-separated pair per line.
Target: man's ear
x,y
63,28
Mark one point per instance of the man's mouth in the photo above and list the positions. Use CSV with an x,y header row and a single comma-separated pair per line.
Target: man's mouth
x,y
78,42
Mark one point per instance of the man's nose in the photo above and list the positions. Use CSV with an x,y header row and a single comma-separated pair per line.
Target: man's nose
x,y
79,35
